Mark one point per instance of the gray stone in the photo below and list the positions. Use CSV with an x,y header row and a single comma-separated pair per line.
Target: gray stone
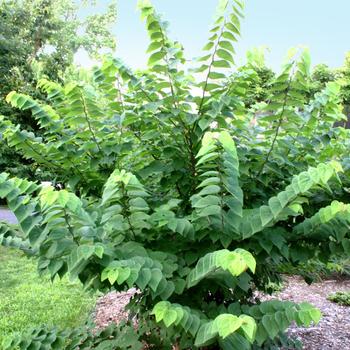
x,y
7,215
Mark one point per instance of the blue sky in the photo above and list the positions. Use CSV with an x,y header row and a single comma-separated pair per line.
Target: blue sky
x,y
321,25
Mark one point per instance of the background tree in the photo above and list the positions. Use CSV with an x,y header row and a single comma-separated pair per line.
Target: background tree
x,y
321,75
256,76
344,77
39,38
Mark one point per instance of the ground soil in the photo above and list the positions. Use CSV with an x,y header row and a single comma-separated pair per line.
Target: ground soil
x,y
111,308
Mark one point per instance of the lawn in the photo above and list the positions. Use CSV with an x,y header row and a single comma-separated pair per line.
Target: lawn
x,y
27,300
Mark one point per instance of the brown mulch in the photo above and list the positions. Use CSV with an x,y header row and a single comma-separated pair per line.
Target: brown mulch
x,y
332,333
111,308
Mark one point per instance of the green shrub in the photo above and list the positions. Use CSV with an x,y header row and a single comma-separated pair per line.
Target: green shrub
x,y
342,298
83,338
193,198
317,270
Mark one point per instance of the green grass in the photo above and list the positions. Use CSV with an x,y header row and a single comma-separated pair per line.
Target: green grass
x,y
27,300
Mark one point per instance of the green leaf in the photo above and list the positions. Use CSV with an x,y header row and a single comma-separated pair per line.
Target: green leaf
x,y
249,327
229,36
215,75
248,258
169,317
231,27
221,64
235,264
154,46
160,309
123,275
63,197
144,278
270,325
156,57
227,46
208,46
99,250
316,315
227,324
206,334
225,55
85,251
112,276
157,276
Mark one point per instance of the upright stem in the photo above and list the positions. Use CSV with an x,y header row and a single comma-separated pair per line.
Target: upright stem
x,y
49,162
187,132
126,211
278,127
166,59
70,229
209,69
88,122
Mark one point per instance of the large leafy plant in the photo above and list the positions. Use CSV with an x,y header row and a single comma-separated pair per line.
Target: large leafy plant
x,y
178,188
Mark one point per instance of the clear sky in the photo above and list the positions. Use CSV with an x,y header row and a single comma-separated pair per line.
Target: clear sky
x,y
321,25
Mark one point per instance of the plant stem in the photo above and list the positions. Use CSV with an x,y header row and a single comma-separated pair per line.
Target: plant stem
x,y
278,126
88,122
70,228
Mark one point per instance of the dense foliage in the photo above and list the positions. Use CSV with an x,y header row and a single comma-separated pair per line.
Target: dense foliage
x,y
342,298
173,182
40,38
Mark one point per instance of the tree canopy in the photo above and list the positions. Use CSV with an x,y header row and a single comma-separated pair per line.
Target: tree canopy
x,y
39,38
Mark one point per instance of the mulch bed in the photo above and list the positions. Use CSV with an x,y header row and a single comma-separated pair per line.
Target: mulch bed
x,y
111,308
332,333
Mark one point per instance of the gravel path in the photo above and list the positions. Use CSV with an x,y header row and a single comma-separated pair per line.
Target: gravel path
x,y
332,333
7,215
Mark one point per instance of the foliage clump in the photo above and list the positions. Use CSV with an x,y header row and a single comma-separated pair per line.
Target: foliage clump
x,y
342,298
